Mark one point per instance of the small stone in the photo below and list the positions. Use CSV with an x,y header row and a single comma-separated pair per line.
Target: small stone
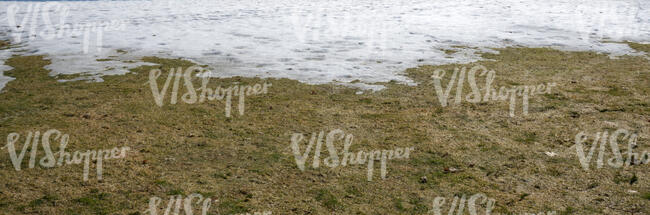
x,y
450,170
550,154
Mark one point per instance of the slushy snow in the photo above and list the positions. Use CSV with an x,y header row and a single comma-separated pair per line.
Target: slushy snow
x,y
313,41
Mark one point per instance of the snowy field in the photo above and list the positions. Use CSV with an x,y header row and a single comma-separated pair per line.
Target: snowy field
x,y
311,41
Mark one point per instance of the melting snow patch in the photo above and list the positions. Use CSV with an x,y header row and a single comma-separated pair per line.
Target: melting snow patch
x,y
4,55
317,41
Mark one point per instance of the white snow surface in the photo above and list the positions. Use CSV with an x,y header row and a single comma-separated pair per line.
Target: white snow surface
x,y
313,41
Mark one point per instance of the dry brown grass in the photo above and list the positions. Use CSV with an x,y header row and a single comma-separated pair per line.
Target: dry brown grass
x,y
246,163
4,44
640,47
